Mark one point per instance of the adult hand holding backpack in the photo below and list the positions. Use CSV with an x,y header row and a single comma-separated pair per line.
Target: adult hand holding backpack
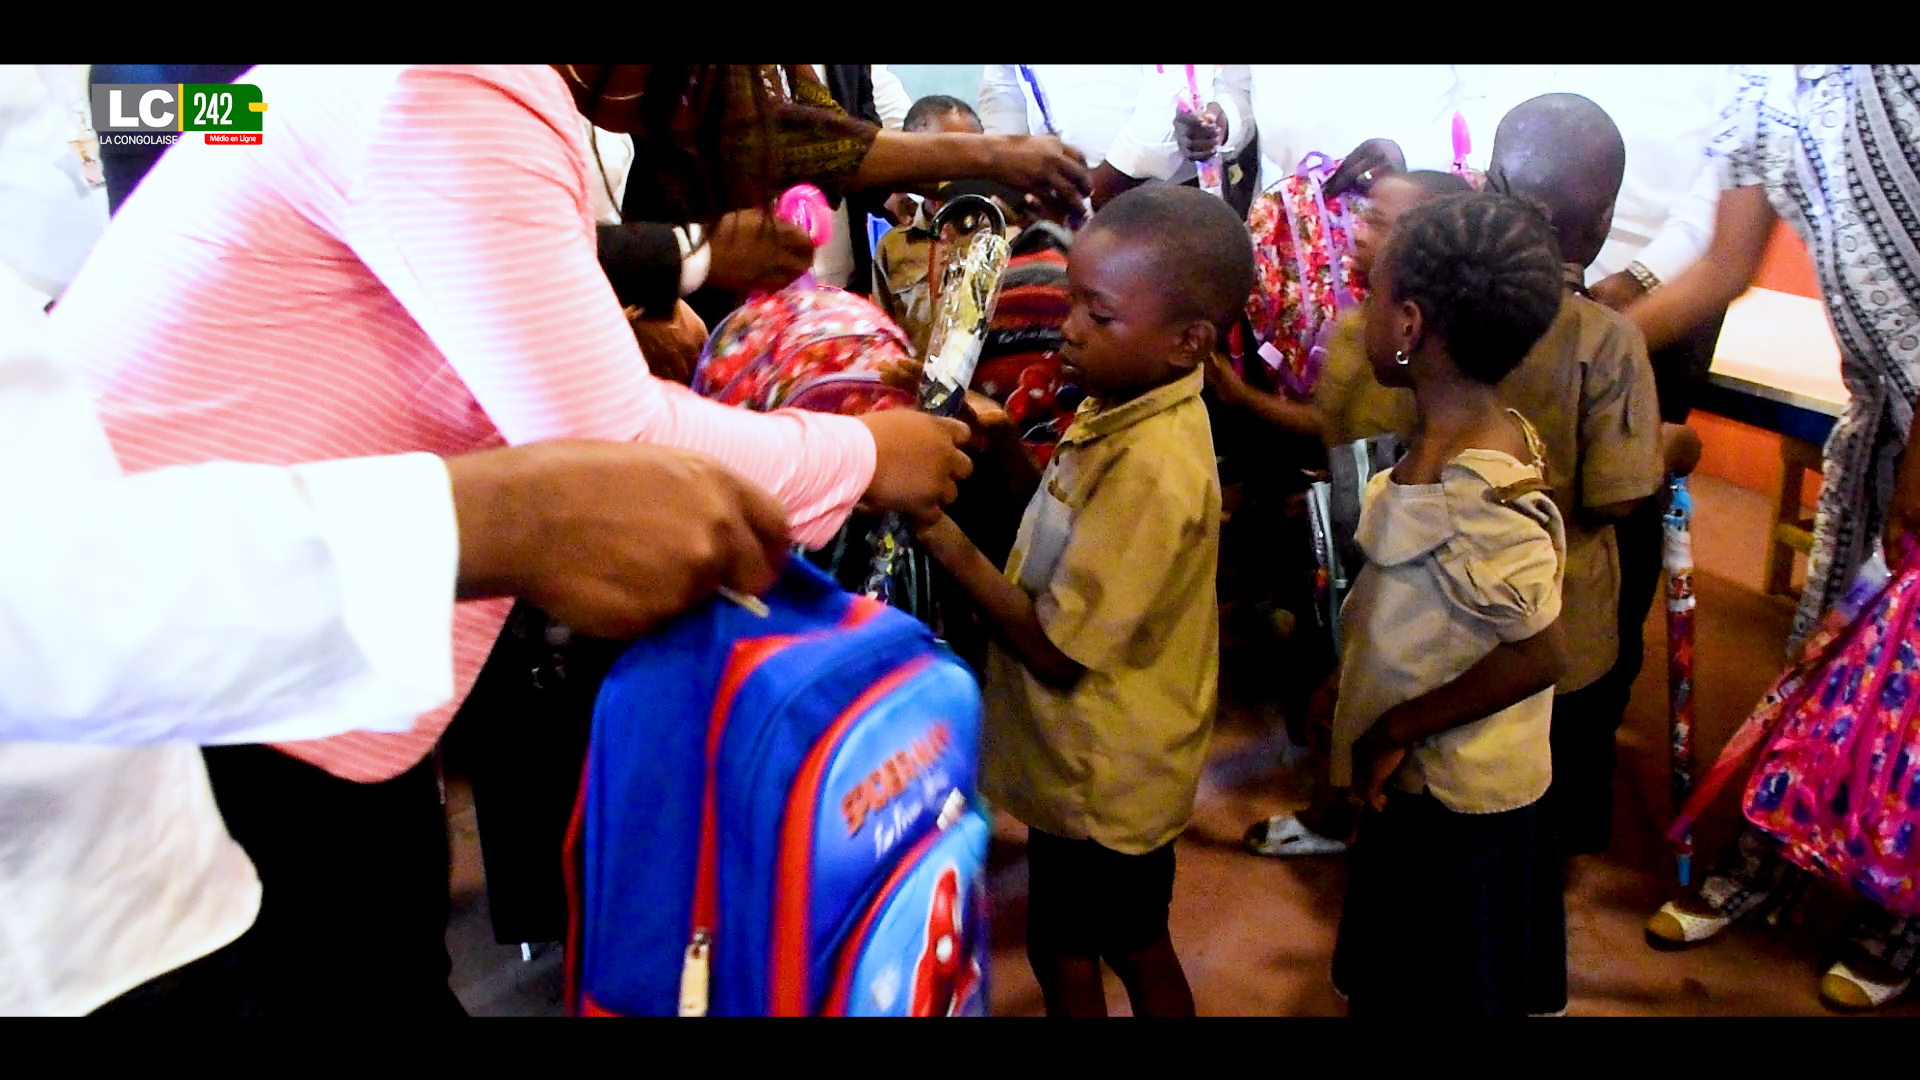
x,y
1366,163
753,251
612,538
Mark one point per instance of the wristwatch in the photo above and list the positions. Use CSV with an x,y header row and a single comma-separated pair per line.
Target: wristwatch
x,y
1648,280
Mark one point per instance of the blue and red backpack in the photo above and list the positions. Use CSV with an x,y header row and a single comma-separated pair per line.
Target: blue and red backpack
x,y
778,817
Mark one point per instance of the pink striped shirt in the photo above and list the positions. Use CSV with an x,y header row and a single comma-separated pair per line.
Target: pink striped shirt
x,y
406,262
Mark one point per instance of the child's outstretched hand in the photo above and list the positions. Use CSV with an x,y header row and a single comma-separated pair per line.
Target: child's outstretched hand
x,y
986,419
1225,382
928,522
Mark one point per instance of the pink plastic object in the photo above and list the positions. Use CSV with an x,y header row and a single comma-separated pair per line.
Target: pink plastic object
x,y
1462,144
1210,170
806,206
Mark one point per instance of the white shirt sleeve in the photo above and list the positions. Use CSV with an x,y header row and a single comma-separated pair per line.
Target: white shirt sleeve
x,y
217,603
1145,148
890,97
1003,108
1688,228
1233,90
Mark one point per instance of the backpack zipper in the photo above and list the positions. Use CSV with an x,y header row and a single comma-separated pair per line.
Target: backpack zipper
x,y
697,963
696,966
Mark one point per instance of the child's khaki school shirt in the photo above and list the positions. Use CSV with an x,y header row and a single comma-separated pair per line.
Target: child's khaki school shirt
x,y
1588,388
1119,549
1453,569
1352,403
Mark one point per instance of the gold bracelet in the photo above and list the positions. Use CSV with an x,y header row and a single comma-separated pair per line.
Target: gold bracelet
x,y
1648,280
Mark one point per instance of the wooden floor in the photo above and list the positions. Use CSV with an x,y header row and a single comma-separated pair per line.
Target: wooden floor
x,y
1256,935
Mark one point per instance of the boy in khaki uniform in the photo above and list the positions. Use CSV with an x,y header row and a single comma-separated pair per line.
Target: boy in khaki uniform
x,y
1101,688
1590,390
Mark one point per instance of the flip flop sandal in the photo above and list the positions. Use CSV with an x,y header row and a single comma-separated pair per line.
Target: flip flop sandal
x,y
1283,836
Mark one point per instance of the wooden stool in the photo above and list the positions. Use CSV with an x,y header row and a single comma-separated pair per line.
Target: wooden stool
x,y
1792,526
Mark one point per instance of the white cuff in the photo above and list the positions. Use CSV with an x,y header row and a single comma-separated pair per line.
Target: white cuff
x,y
1236,128
389,525
1668,256
693,261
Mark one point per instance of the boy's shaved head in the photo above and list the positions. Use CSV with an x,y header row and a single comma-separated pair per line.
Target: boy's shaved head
x,y
1563,152
1202,246
927,111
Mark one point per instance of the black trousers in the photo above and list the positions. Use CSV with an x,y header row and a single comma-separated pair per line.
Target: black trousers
x,y
353,913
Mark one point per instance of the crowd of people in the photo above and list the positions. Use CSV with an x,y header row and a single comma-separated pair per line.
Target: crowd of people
x,y
311,417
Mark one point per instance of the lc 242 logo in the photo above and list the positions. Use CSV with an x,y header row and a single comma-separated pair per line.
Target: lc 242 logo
x,y
229,113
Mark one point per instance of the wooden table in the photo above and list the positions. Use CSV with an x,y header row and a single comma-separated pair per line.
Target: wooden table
x,y
1777,367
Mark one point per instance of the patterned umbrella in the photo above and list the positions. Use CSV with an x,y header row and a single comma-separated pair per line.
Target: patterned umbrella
x,y
968,289
1680,604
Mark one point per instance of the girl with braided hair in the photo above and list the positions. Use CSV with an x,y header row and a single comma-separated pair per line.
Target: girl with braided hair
x,y
1446,685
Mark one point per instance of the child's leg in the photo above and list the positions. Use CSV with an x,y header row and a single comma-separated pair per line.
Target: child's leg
x,y
1133,930
1069,985
1064,953
1156,984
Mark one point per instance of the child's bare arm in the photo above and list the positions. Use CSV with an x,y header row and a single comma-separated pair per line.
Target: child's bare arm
x,y
1007,606
1294,416
1513,672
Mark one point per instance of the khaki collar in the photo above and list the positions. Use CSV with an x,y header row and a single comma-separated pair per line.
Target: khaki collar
x,y
1404,522
1575,277
1094,420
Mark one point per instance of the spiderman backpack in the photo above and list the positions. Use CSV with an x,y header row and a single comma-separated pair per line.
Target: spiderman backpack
x,y
777,818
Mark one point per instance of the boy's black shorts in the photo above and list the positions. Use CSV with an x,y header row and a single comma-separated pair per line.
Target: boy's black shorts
x,y
1087,900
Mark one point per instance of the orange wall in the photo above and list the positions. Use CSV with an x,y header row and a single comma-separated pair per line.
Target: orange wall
x,y
1786,267
1740,453
1745,456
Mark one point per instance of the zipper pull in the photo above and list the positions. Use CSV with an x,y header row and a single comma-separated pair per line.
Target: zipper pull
x,y
693,975
955,806
752,603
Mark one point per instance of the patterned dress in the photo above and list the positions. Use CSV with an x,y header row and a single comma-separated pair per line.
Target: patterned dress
x,y
1838,151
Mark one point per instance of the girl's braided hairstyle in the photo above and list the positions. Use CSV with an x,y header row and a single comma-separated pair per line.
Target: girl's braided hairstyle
x,y
1485,272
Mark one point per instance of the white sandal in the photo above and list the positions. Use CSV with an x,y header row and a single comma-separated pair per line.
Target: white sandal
x,y
1284,836
1672,925
1844,988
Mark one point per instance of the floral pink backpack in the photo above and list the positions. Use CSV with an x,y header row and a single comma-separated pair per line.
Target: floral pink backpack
x,y
1304,275
1303,255
822,349
1838,780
